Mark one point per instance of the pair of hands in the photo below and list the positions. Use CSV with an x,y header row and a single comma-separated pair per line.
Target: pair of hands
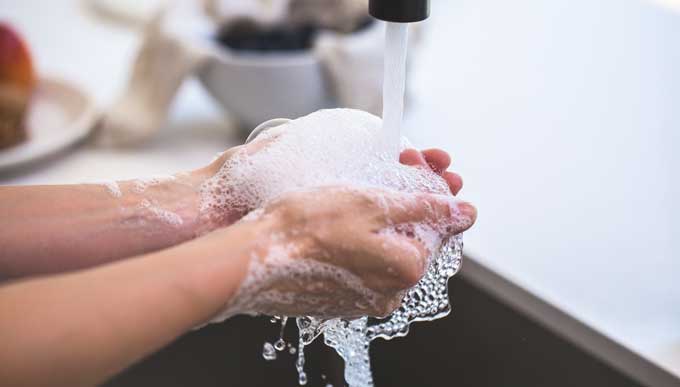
x,y
346,252
327,252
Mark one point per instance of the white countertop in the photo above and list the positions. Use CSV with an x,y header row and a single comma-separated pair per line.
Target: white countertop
x,y
563,117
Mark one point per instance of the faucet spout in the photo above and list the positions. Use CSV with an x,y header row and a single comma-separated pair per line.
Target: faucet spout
x,y
400,11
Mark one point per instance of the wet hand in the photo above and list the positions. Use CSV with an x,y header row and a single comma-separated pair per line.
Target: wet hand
x,y
339,251
435,159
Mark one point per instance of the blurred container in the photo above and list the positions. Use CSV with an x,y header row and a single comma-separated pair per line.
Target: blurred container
x,y
256,88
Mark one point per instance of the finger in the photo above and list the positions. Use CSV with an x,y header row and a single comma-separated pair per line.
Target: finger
x,y
445,213
437,159
404,261
408,259
454,181
412,157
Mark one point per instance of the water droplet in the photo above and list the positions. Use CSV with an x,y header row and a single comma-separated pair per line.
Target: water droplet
x,y
302,379
268,352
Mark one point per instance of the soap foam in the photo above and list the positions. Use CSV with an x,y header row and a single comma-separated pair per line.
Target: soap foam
x,y
141,185
166,216
113,188
341,147
257,292
337,147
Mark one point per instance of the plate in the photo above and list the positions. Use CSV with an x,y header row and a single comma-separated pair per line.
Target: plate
x,y
131,12
59,116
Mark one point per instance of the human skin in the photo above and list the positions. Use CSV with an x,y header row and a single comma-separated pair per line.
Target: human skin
x,y
59,228
80,328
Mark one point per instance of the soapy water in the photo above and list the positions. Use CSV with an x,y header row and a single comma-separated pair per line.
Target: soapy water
x,y
113,188
148,205
141,185
339,147
166,216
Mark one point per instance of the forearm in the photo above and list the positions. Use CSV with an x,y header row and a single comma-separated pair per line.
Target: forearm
x,y
47,229
81,328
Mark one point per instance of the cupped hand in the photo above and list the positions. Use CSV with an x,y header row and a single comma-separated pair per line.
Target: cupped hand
x,y
339,251
435,159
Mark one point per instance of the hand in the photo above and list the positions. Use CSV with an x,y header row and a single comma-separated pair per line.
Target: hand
x,y
213,219
435,159
347,252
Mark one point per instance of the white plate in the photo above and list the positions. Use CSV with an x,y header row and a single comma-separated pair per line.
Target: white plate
x,y
59,116
132,12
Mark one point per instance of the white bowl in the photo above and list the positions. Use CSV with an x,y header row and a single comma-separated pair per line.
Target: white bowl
x,y
258,87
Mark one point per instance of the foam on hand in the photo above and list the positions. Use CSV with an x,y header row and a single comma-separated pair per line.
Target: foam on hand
x,y
341,147
338,147
113,188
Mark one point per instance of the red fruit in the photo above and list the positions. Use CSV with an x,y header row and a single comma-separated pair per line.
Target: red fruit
x,y
16,84
16,66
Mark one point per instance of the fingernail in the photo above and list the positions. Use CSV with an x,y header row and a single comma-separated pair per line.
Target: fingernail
x,y
467,210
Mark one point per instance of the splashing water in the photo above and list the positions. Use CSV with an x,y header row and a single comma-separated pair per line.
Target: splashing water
x,y
268,352
427,301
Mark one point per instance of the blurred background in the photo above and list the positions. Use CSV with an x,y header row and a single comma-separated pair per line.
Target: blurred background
x,y
562,116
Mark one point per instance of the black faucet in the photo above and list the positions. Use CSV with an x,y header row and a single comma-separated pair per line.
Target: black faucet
x,y
399,11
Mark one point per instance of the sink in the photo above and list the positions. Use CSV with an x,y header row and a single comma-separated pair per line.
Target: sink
x,y
483,342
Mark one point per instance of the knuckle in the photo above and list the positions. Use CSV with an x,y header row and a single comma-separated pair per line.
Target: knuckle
x,y
385,308
365,199
411,276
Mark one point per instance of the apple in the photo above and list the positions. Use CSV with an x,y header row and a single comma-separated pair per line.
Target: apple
x,y
17,79
16,66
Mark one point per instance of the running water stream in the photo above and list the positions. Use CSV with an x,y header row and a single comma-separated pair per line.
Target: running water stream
x,y
394,83
428,300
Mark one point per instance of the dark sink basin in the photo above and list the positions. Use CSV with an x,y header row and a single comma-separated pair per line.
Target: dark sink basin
x,y
484,342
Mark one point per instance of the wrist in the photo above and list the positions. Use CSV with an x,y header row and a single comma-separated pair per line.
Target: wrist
x,y
221,265
166,208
